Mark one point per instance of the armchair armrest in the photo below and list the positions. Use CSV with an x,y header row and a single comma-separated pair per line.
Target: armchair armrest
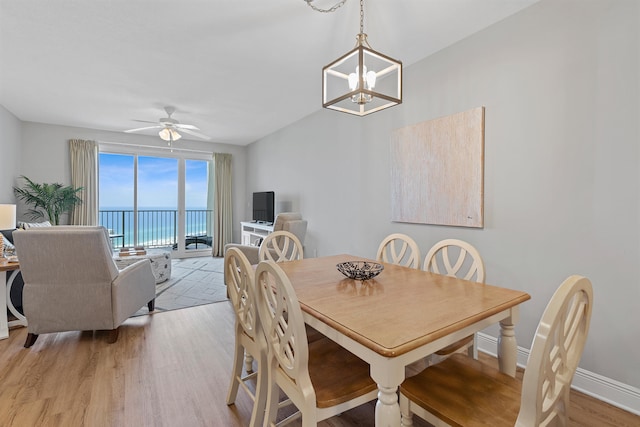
x,y
134,287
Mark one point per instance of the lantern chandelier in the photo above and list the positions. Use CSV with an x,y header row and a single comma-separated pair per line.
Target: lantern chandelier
x,y
362,81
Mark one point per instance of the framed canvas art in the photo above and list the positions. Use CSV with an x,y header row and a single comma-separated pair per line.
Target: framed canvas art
x,y
437,171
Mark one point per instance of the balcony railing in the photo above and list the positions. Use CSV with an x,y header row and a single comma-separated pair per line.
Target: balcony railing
x,y
157,228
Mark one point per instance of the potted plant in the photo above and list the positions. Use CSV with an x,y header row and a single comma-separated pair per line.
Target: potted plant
x,y
47,201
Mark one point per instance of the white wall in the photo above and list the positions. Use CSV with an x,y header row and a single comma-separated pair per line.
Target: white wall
x,y
9,154
560,85
45,156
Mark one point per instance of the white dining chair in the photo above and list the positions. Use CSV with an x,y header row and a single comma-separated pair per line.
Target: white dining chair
x,y
240,281
456,258
399,249
320,378
281,246
464,392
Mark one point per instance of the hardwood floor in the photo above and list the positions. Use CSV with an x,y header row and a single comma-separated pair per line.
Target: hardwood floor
x,y
166,369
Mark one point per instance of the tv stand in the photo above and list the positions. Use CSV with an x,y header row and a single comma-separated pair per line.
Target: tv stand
x,y
253,232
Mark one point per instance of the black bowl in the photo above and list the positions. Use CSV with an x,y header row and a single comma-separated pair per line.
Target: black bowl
x,y
360,270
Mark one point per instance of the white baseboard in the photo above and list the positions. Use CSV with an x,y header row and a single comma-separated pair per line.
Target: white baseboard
x,y
606,389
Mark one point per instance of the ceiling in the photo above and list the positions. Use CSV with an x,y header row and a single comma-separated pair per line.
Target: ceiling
x,y
237,69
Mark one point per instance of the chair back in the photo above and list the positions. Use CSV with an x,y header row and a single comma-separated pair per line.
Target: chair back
x,y
291,222
455,258
280,246
65,255
555,353
284,329
69,277
239,278
399,249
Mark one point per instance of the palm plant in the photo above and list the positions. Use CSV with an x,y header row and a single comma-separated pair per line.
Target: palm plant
x,y
47,201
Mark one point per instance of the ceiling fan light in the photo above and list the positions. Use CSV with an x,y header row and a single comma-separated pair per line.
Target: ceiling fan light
x,y
169,135
164,134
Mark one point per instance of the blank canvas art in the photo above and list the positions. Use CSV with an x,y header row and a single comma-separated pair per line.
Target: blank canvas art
x,y
437,171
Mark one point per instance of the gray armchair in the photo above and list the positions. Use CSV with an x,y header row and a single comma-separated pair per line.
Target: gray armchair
x,y
287,221
73,284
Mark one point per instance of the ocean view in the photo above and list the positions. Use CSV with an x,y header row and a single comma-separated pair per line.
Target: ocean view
x,y
156,226
152,182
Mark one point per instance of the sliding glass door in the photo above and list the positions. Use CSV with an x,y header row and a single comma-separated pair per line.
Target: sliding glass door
x,y
156,201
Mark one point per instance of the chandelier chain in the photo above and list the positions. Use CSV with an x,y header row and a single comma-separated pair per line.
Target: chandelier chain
x,y
331,9
361,16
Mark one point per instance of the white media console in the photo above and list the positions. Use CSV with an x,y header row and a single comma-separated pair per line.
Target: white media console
x,y
253,232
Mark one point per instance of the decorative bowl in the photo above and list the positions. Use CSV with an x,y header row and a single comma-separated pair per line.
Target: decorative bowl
x,y
360,270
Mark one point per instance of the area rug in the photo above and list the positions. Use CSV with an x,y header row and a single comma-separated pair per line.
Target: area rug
x,y
194,281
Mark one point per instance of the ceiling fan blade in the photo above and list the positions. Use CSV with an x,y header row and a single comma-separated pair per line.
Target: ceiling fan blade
x,y
145,121
190,127
199,135
144,128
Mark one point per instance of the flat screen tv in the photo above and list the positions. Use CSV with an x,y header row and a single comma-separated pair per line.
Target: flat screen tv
x,y
263,206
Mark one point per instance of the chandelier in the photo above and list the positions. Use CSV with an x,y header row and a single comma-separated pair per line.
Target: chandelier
x,y
362,81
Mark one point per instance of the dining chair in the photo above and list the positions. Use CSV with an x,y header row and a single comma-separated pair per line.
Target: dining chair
x,y
461,391
320,378
281,246
240,283
455,258
399,249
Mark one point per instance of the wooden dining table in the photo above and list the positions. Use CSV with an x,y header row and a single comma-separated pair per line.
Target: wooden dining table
x,y
400,317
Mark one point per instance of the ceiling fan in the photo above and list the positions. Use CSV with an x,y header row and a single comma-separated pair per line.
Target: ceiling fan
x,y
169,127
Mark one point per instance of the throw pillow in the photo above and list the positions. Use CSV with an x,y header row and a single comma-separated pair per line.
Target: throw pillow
x,y
28,225
8,246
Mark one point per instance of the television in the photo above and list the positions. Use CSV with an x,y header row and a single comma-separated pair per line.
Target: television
x,y
263,207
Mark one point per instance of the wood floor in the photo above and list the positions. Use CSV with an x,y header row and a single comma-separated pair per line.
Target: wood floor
x,y
166,369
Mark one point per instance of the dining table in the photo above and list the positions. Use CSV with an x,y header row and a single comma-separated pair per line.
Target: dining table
x,y
400,316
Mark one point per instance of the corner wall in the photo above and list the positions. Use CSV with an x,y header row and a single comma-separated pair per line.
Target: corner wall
x,y
559,82
10,143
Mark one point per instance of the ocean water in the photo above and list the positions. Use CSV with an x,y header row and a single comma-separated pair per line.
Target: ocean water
x,y
156,226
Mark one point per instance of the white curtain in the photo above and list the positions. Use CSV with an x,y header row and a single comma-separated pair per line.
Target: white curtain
x,y
223,204
84,173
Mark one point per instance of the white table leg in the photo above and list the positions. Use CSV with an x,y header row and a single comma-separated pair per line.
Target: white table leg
x,y
387,407
4,324
388,379
507,345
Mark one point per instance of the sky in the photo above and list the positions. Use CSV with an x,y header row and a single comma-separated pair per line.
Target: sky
x,y
157,182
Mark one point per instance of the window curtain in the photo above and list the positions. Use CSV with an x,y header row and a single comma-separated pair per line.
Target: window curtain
x,y
84,173
222,209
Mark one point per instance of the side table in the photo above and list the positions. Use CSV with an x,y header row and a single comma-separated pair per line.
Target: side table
x,y
5,298
160,262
